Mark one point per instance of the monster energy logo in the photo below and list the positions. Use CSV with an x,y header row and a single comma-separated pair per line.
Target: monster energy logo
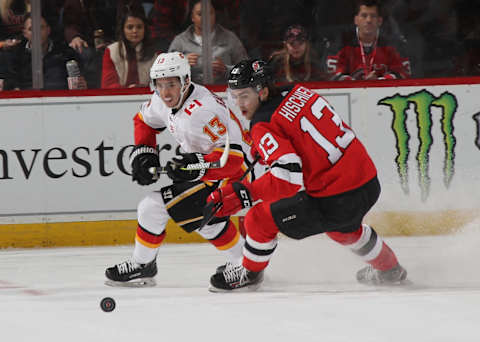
x,y
423,102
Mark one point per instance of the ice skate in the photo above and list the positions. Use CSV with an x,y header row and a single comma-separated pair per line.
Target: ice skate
x,y
235,278
131,274
370,276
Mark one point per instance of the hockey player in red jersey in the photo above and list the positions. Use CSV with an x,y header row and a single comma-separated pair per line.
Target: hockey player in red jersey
x,y
200,123
366,53
321,179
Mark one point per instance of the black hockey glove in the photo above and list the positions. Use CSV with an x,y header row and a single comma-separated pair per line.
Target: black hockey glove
x,y
142,158
176,167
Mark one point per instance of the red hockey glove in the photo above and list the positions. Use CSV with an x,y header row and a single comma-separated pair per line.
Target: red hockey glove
x,y
230,199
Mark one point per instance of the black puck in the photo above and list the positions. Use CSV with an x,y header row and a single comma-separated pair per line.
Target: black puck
x,y
107,304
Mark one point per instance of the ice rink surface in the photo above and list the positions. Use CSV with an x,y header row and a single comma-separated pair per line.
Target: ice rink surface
x,y
309,294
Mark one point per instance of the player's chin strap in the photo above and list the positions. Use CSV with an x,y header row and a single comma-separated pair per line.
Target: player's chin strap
x,y
185,87
217,164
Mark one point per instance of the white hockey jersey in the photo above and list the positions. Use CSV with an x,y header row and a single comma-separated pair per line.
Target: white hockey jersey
x,y
200,125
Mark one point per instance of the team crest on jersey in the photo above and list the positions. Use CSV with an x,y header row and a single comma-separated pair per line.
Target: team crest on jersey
x,y
256,66
161,60
192,106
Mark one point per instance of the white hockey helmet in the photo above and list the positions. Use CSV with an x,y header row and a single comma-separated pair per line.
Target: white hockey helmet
x,y
171,64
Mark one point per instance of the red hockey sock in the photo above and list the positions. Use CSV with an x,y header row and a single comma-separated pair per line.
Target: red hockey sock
x,y
261,239
368,245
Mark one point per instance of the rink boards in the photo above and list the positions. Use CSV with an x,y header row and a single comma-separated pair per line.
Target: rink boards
x,y
64,172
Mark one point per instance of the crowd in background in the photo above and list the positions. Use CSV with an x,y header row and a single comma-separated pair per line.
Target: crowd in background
x,y
114,42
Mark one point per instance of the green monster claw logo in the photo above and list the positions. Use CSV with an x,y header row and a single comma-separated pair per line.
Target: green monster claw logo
x,y
423,102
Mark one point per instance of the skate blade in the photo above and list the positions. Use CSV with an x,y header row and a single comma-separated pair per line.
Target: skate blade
x,y
399,283
141,282
248,288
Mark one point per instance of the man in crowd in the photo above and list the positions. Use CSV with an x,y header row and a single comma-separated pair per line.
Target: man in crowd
x,y
55,55
365,53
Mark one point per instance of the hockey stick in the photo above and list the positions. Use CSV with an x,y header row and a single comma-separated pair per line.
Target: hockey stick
x,y
217,164
212,208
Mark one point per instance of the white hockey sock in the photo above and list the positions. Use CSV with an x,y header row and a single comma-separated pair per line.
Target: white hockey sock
x,y
143,254
235,253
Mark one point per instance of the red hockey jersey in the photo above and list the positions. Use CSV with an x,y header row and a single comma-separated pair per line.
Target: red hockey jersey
x,y
307,146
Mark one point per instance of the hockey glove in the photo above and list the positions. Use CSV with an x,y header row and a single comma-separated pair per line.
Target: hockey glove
x,y
176,168
230,199
142,158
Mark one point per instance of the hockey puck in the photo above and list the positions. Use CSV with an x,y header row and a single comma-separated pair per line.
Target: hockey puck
x,y
107,304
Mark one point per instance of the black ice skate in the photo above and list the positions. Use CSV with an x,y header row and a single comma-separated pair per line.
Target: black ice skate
x,y
131,274
235,278
370,276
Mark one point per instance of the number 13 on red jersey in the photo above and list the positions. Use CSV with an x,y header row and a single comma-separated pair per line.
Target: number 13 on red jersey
x,y
319,109
311,125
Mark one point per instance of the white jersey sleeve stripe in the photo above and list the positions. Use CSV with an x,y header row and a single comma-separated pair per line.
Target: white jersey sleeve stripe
x,y
288,168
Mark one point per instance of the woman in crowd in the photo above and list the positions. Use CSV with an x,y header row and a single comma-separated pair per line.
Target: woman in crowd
x,y
227,49
296,62
127,62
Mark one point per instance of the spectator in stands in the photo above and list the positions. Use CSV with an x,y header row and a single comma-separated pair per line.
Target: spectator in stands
x,y
170,17
54,54
127,62
89,26
264,23
227,50
12,18
365,53
297,62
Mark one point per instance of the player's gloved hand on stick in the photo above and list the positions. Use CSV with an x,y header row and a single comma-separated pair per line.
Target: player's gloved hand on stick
x,y
142,158
176,167
231,198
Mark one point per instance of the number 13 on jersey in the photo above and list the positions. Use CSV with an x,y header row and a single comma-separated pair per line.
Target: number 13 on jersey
x,y
339,135
320,109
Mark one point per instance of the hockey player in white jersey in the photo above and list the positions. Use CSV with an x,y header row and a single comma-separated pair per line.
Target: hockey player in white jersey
x,y
199,122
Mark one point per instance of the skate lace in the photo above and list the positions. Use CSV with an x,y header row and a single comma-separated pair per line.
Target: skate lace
x,y
370,273
126,267
234,273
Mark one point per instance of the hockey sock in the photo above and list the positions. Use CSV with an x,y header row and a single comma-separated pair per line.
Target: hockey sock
x,y
261,238
368,245
226,238
146,245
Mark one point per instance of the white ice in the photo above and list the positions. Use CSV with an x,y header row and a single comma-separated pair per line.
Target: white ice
x,y
309,294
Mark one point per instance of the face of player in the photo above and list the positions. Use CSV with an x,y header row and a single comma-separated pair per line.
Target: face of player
x,y
368,21
170,90
247,100
134,30
197,17
296,48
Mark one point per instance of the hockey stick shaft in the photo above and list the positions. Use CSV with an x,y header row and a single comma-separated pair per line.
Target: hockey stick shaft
x,y
217,164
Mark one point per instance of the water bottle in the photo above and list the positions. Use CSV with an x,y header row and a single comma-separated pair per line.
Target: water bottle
x,y
74,76
73,69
